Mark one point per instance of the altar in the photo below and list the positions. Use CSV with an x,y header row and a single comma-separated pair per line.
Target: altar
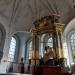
x,y
47,46
46,70
47,39
52,71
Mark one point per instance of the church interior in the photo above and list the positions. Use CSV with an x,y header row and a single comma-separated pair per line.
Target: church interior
x,y
37,37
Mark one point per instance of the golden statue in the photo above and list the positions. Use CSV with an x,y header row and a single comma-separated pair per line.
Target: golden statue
x,y
49,54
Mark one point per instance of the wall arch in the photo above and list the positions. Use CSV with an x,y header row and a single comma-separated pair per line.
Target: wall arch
x,y
15,32
24,37
68,31
69,27
2,42
16,48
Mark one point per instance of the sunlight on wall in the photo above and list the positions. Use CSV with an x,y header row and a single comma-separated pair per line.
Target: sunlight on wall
x,y
66,52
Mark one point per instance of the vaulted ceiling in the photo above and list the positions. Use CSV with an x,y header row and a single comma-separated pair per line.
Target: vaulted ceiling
x,y
22,13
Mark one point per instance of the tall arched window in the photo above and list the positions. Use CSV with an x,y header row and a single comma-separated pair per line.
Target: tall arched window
x,y
30,50
50,42
42,45
72,43
12,49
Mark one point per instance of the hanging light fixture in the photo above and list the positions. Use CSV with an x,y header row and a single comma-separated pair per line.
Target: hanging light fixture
x,y
73,3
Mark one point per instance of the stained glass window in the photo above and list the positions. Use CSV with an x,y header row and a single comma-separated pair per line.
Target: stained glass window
x,y
72,43
50,42
12,49
30,50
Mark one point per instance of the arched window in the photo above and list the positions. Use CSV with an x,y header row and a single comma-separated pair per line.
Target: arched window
x,y
72,43
12,49
42,45
30,50
50,42
46,40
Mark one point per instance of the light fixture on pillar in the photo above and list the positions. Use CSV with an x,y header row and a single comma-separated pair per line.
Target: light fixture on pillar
x,y
73,3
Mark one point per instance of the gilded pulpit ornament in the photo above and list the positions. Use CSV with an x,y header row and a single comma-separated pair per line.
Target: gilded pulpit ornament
x,y
48,25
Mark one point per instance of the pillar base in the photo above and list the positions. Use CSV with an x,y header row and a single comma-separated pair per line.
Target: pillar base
x,y
35,61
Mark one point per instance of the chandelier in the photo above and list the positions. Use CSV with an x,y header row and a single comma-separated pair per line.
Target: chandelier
x,y
73,3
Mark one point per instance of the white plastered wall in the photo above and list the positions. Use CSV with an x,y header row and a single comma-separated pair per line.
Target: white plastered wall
x,y
69,29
